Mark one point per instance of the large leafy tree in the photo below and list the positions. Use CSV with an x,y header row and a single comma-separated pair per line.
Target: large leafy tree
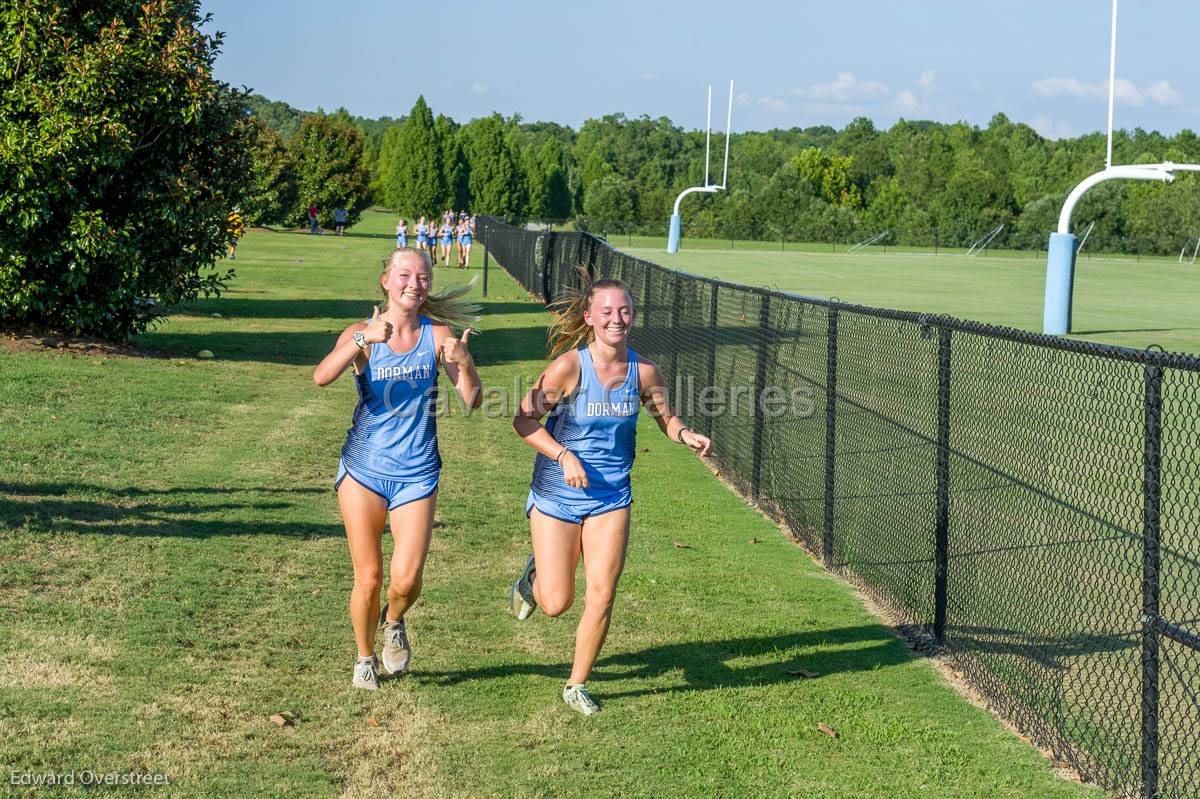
x,y
609,202
328,156
271,189
120,157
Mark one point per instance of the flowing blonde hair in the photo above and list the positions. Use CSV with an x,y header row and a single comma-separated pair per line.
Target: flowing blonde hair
x,y
568,330
445,308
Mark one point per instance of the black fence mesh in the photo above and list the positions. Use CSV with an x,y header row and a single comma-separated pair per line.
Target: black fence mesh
x,y
1026,505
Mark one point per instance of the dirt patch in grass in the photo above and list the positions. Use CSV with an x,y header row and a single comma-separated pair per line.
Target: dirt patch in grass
x,y
17,342
374,759
24,671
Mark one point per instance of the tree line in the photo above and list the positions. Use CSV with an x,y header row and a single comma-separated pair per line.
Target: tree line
x,y
115,199
926,183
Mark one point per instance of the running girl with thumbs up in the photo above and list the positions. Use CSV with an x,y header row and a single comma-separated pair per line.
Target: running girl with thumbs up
x,y
390,463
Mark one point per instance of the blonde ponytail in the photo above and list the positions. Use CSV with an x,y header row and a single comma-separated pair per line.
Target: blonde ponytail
x,y
446,308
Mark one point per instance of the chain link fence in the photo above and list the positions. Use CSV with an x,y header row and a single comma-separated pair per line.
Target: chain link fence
x,y
1027,506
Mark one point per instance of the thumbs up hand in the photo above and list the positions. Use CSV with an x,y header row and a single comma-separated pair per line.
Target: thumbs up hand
x,y
378,329
454,350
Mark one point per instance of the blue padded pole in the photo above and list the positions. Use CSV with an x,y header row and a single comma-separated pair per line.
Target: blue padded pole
x,y
673,237
1060,280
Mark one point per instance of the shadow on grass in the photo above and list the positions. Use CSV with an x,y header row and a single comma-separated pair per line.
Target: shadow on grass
x,y
498,346
290,348
707,665
338,310
238,308
199,512
1127,330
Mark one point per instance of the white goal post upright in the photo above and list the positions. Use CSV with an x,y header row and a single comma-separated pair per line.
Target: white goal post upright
x,y
708,188
1060,256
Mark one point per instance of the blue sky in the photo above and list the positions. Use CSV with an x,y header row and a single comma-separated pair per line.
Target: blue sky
x,y
795,63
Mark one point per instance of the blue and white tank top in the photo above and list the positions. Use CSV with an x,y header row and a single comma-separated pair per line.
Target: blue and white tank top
x,y
600,427
394,433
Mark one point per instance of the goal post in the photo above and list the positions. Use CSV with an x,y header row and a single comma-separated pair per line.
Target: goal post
x,y
674,232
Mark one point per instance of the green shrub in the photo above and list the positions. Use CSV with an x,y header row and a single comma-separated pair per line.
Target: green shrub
x,y
120,157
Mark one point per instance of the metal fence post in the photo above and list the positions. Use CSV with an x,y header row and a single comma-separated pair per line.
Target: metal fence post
x,y
1152,462
760,383
941,544
675,337
713,321
485,259
831,349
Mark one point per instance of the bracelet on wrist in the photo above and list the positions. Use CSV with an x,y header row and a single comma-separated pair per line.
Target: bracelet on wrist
x,y
682,430
561,452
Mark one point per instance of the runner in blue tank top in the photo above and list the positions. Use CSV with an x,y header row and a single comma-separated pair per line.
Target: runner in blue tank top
x,y
579,500
446,232
390,463
402,233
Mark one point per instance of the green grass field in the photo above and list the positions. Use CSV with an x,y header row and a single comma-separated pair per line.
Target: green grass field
x,y
173,571
1124,301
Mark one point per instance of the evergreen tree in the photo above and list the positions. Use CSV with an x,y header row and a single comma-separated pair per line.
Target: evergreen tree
x,y
415,181
495,180
454,165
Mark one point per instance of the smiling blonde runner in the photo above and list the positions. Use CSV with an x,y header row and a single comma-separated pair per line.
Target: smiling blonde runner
x,y
390,463
580,498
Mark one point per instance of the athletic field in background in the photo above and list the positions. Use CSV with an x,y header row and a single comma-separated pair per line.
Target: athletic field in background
x,y
173,571
1118,299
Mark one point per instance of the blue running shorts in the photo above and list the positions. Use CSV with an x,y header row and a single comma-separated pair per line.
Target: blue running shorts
x,y
393,492
578,510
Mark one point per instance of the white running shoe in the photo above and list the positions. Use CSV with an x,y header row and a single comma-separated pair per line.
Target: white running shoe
x,y
364,674
579,700
520,597
396,650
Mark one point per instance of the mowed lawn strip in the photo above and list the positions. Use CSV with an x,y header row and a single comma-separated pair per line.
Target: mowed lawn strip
x,y
1116,300
173,572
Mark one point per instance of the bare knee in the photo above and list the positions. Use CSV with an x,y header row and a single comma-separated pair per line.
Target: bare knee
x,y
405,585
557,604
368,580
600,599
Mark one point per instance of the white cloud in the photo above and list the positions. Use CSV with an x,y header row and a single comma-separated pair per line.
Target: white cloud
x,y
1164,94
773,104
1066,87
915,101
820,110
648,76
1052,129
1127,92
1074,87
906,101
479,87
844,88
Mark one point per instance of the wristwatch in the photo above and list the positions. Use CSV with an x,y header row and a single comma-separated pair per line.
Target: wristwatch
x,y
360,340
